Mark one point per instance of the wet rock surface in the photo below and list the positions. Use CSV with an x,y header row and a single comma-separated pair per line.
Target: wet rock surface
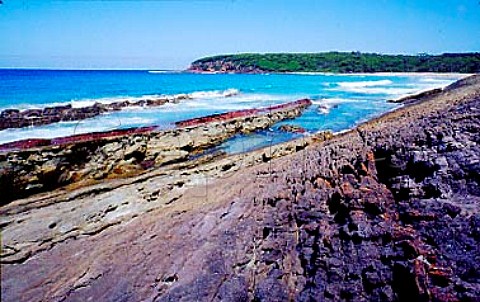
x,y
15,118
389,211
291,128
35,166
243,113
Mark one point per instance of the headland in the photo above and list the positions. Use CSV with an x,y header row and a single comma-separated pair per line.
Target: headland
x,y
338,62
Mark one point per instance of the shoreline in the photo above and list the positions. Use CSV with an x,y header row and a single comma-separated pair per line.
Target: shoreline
x,y
360,199
89,158
186,71
458,75
404,101
36,145
128,169
57,113
410,74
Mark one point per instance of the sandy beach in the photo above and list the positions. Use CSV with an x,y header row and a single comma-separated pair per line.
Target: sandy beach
x,y
386,74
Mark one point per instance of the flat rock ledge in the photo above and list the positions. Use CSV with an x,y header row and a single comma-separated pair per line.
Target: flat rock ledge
x,y
389,211
33,166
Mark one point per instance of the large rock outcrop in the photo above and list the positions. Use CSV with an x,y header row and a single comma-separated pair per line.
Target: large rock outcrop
x,y
389,211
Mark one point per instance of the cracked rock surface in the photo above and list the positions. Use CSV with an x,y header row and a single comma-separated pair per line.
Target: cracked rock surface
x,y
80,160
389,211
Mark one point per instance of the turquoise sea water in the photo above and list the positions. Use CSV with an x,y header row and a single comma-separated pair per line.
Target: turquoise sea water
x,y
340,101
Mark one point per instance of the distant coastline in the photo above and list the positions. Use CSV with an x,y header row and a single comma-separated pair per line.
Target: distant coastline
x,y
150,70
386,74
338,62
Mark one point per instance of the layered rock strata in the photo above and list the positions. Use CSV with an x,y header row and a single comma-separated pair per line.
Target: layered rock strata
x,y
42,165
389,211
243,113
160,187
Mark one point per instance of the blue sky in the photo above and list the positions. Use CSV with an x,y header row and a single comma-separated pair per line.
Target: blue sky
x,y
171,33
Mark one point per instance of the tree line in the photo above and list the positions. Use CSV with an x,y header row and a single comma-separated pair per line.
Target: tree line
x,y
341,62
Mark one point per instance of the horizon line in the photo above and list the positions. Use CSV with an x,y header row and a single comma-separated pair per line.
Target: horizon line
x,y
418,54
90,69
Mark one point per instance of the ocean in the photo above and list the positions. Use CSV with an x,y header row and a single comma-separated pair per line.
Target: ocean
x,y
339,101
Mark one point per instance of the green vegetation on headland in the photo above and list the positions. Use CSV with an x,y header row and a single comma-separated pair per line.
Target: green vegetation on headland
x,y
338,62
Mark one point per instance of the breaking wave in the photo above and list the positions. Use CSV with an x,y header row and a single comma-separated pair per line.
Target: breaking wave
x,y
214,94
380,87
324,105
364,84
209,94
105,123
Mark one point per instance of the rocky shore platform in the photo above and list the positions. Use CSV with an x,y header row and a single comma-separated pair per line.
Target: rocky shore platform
x,y
16,118
37,165
389,211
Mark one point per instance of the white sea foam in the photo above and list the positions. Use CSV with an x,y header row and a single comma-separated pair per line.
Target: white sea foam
x,y
332,101
324,105
193,95
382,86
386,91
374,87
208,105
362,84
439,81
378,90
81,103
236,102
168,113
60,129
205,106
214,94
425,84
324,109
260,97
433,80
158,71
